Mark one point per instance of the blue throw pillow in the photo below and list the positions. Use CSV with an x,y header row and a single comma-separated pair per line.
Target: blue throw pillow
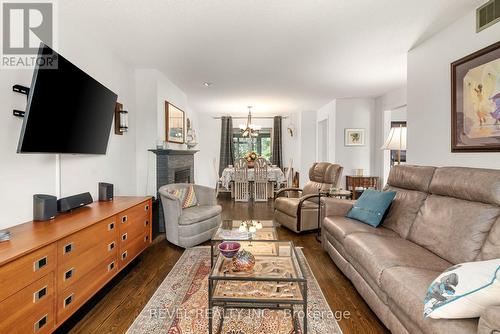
x,y
371,206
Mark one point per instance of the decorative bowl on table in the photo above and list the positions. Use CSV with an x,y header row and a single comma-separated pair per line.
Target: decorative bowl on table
x,y
243,261
229,248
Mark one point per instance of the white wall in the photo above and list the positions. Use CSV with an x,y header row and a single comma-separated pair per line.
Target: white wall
x,y
429,101
355,113
327,112
21,176
151,91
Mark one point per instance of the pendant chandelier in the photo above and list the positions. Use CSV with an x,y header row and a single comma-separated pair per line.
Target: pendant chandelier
x,y
249,130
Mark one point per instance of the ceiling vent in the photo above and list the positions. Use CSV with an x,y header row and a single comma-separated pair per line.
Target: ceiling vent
x,y
488,14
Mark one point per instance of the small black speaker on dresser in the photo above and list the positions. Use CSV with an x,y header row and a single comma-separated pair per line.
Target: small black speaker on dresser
x,y
44,207
105,191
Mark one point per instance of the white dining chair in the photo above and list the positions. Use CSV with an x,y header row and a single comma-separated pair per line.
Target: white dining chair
x,y
241,184
261,181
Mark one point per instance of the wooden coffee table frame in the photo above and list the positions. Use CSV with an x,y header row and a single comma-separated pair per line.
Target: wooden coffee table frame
x,y
249,303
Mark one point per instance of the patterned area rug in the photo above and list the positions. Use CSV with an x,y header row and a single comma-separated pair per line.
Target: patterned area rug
x,y
179,306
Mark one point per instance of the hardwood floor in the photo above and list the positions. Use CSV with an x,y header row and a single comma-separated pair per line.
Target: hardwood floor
x,y
115,307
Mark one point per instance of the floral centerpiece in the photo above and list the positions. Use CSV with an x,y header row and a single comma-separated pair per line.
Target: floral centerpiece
x,y
250,157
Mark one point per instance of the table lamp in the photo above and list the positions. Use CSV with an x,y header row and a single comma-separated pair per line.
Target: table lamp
x,y
396,141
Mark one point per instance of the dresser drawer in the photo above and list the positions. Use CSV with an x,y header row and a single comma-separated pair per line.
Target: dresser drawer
x,y
22,272
133,229
71,298
81,241
133,248
82,263
134,214
30,310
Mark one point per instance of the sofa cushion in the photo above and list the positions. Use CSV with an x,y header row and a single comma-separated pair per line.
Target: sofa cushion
x,y
411,177
403,210
491,247
290,205
452,228
406,288
340,227
471,184
199,213
376,253
370,208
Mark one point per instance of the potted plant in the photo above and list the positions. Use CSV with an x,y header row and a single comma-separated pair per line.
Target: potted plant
x,y
250,158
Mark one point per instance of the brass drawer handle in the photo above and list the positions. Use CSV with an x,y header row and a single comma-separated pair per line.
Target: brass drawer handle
x,y
68,300
146,238
39,264
146,223
69,274
40,323
124,219
124,237
111,246
111,226
146,207
111,266
39,294
68,248
124,255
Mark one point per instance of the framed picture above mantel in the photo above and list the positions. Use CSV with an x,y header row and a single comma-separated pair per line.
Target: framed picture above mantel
x,y
475,101
174,124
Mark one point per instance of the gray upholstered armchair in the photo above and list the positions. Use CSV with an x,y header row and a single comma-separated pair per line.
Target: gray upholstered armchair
x,y
298,211
191,226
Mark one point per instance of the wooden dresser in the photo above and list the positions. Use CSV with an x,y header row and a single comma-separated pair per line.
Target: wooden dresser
x,y
49,269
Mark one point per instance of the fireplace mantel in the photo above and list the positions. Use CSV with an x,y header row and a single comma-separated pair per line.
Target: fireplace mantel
x,y
173,152
170,164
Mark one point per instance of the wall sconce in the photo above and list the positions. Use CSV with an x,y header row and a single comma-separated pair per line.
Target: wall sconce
x,y
121,119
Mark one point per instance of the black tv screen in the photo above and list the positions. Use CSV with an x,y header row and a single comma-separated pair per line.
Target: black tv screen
x,y
68,111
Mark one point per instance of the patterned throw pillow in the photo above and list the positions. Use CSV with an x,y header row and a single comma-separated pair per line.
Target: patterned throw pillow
x,y
186,195
464,291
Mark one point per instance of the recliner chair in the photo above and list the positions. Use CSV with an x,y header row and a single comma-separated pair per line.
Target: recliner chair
x,y
300,213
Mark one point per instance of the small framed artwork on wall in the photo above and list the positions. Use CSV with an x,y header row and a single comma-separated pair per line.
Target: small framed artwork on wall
x,y
475,101
354,137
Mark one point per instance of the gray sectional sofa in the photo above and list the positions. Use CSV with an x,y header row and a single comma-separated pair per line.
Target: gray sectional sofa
x,y
440,217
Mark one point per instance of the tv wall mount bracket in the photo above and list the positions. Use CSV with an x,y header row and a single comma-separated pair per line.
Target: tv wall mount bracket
x,y
22,90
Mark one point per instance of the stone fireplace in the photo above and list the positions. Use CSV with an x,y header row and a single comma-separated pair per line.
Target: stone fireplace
x,y
172,166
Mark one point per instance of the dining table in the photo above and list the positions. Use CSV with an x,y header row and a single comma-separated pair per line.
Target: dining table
x,y
274,176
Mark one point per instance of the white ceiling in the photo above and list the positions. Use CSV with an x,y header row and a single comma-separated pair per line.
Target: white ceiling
x,y
277,55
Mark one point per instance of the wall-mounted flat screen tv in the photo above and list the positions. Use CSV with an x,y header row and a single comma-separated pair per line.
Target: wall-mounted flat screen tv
x,y
68,111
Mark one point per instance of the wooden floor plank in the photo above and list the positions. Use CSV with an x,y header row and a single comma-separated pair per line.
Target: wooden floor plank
x,y
115,307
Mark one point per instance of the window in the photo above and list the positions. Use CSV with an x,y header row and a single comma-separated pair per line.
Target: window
x,y
261,144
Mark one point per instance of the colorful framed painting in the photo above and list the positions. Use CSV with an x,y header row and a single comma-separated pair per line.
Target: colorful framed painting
x,y
354,137
475,101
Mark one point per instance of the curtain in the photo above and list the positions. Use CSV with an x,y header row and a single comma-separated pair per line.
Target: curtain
x,y
277,153
226,143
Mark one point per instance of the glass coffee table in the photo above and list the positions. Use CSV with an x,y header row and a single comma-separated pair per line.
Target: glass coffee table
x,y
229,230
276,281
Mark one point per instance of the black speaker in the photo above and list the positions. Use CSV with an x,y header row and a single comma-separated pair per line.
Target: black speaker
x,y
105,191
72,202
44,207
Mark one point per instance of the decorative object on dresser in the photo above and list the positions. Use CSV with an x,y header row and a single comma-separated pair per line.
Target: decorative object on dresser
x,y
105,191
475,101
49,270
300,213
354,137
174,118
44,207
69,203
356,184
190,226
4,236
